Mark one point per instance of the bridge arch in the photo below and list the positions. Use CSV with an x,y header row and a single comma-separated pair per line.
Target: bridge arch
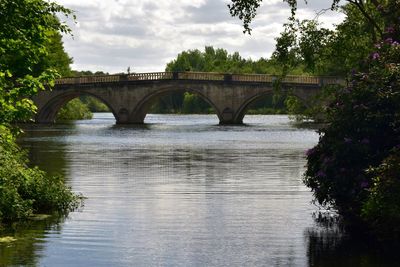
x,y
142,107
48,112
241,112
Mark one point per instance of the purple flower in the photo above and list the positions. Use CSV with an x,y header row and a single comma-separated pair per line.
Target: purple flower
x,y
327,160
390,29
395,43
364,184
375,56
348,140
321,173
389,40
365,141
309,152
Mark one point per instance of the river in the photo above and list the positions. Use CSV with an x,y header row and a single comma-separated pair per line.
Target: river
x,y
180,191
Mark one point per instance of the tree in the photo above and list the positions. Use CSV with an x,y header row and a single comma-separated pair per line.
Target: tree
x,y
246,11
363,134
26,28
56,57
326,52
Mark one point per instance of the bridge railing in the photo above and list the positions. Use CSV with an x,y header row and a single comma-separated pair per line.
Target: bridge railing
x,y
89,79
202,76
151,76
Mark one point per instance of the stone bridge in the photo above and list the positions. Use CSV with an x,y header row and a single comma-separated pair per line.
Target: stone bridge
x,y
129,96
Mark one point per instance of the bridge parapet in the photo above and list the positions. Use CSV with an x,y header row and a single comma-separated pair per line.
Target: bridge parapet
x,y
200,76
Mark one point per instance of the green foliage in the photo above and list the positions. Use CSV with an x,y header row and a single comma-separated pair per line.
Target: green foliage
x,y
296,108
193,104
319,50
219,60
326,52
15,93
26,31
364,129
25,191
382,208
81,109
94,105
56,57
246,11
74,110
316,107
87,73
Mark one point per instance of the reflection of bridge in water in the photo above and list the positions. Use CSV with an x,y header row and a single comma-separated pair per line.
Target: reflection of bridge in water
x,y
129,96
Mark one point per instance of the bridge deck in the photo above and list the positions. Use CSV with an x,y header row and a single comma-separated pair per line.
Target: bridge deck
x,y
200,76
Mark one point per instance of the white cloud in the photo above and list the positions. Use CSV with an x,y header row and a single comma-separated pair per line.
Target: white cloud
x,y
113,34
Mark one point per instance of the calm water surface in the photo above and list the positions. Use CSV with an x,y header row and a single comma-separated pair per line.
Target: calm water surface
x,y
179,191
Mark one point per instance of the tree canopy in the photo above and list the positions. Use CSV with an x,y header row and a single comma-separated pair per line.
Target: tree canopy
x,y
26,30
246,10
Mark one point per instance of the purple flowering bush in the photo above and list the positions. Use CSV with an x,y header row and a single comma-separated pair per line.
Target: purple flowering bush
x,y
352,167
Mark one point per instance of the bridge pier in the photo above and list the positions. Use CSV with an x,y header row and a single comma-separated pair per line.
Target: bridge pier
x,y
227,117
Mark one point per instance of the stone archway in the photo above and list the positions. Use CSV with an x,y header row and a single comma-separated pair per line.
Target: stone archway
x,y
141,109
48,112
241,112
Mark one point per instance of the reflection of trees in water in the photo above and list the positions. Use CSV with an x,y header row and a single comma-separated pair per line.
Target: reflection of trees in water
x,y
330,245
48,153
29,243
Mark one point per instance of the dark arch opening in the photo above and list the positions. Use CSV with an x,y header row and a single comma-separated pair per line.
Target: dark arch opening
x,y
81,102
180,101
266,103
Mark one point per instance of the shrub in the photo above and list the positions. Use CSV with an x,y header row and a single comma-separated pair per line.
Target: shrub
x,y
363,130
25,191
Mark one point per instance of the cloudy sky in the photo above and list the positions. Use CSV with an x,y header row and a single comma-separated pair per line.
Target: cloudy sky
x,y
111,35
